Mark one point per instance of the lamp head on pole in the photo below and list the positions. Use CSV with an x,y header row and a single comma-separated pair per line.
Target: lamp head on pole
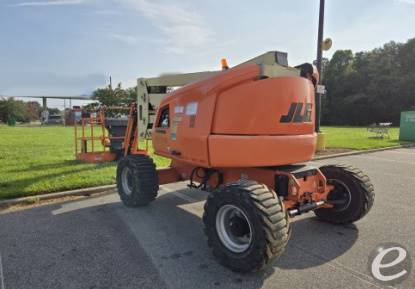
x,y
326,44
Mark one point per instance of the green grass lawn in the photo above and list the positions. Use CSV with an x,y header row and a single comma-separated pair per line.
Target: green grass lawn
x,y
39,159
358,138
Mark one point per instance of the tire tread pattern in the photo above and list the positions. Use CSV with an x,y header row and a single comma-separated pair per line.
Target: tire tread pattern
x,y
365,187
271,213
146,183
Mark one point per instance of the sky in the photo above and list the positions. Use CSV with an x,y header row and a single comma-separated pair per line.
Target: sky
x,y
71,47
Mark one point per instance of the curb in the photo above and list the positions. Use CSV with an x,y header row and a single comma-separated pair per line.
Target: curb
x,y
361,152
35,199
110,188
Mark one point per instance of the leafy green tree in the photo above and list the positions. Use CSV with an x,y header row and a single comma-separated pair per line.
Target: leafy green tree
x,y
131,95
13,110
337,75
368,87
54,111
115,97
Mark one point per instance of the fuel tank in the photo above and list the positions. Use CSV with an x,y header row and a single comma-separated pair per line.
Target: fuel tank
x,y
238,118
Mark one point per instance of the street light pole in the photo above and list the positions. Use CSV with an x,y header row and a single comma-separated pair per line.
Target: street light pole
x,y
319,58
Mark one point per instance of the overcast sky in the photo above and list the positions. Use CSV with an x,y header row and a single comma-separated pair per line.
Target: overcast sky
x,y
70,47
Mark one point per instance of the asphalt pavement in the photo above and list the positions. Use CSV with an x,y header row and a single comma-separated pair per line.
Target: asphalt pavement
x,y
99,243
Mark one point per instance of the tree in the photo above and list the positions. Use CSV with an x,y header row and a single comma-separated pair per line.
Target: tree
x,y
115,97
337,78
33,110
54,111
368,87
131,95
13,110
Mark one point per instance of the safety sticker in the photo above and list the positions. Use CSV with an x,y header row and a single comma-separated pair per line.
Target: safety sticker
x,y
178,109
176,120
191,108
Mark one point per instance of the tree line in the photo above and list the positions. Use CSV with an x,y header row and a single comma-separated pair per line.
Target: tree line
x,y
12,110
369,87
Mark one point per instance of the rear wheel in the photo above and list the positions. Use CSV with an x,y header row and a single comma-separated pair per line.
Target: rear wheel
x,y
352,196
137,180
246,225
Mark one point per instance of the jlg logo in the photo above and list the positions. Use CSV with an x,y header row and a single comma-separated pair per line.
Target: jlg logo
x,y
296,114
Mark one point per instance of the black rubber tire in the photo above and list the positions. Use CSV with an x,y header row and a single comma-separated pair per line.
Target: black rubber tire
x,y
268,218
361,192
144,180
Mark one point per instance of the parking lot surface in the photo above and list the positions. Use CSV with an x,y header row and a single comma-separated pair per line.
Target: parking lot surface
x,y
99,243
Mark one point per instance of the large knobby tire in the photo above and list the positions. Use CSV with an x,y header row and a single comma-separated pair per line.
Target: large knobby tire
x,y
257,209
137,180
352,196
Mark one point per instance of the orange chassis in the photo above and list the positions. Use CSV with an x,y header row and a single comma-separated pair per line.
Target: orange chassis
x,y
307,186
303,188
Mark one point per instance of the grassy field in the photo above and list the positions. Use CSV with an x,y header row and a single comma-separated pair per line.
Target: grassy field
x,y
37,159
358,138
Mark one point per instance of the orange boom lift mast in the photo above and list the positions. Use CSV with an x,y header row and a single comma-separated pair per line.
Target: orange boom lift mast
x,y
244,134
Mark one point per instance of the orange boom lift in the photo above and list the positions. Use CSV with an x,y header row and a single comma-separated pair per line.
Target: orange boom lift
x,y
243,135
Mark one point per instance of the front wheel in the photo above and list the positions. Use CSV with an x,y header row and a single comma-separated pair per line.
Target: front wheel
x,y
137,180
352,196
246,225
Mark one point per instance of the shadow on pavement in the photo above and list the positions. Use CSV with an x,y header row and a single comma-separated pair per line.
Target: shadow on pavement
x,y
314,243
99,243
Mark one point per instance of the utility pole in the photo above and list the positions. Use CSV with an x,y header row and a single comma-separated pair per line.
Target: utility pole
x,y
45,112
319,58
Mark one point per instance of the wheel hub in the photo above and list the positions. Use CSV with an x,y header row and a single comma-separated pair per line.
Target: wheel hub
x,y
340,197
238,226
233,228
127,181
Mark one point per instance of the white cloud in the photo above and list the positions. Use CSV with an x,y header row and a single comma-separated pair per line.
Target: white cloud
x,y
39,82
183,28
107,12
49,3
406,1
129,39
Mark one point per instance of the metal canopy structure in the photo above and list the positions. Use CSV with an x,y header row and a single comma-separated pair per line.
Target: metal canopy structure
x,y
78,97
45,114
